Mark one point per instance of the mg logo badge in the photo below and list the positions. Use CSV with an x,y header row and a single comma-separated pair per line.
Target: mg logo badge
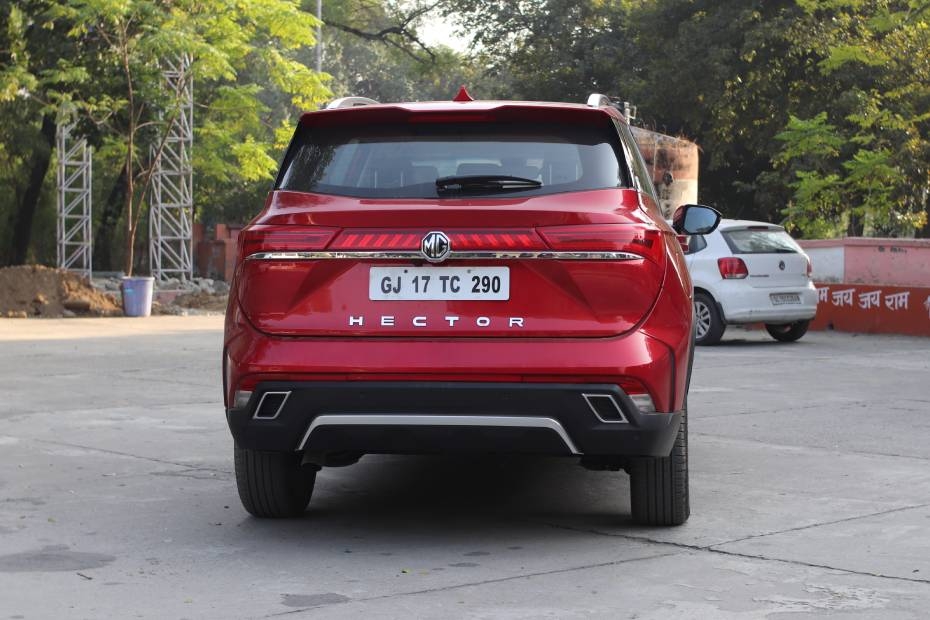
x,y
435,247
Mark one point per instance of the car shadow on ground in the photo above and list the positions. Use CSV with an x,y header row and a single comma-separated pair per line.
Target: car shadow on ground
x,y
386,496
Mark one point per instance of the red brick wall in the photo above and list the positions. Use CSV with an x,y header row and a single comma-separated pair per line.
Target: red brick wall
x,y
873,309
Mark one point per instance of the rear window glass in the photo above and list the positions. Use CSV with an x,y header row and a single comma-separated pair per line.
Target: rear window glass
x,y
404,161
760,242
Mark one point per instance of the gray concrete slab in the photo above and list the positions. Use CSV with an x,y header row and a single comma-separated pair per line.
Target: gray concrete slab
x,y
117,497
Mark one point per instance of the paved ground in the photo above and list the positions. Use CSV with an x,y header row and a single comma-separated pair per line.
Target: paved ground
x,y
810,486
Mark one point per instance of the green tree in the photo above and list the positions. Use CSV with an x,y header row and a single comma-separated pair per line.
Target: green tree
x,y
249,83
719,73
559,50
874,55
36,81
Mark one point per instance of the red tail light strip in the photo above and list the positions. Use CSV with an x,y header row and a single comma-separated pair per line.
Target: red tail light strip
x,y
462,240
609,242
417,256
643,242
259,239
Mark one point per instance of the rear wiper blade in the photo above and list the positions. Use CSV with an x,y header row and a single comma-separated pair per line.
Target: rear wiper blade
x,y
484,182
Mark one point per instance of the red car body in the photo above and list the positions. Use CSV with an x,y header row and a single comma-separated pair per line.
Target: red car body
x,y
598,314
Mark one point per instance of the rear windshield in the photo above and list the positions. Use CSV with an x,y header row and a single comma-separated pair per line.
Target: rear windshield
x,y
767,241
404,160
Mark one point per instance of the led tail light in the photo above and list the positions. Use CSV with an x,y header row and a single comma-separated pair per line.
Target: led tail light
x,y
257,239
503,240
461,240
810,267
645,242
373,240
732,268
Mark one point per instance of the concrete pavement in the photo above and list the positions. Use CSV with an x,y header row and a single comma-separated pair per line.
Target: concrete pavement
x,y
810,496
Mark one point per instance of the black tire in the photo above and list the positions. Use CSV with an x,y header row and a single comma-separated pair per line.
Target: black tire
x,y
659,490
789,332
708,325
273,484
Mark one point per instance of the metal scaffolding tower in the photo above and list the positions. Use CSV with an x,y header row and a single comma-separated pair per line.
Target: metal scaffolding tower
x,y
172,215
74,234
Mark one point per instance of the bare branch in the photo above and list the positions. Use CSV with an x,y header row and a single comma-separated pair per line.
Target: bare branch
x,y
390,34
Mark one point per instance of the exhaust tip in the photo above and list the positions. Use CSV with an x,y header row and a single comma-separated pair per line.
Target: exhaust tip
x,y
606,408
270,405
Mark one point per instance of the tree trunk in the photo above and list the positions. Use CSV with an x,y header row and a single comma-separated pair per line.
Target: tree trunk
x,y
26,209
112,211
856,225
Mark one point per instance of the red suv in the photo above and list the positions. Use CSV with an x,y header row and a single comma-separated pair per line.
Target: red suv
x,y
478,276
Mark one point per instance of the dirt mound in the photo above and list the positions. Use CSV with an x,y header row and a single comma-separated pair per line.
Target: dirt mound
x,y
34,290
202,301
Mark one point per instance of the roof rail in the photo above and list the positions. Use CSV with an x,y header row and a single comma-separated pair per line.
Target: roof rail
x,y
597,100
350,102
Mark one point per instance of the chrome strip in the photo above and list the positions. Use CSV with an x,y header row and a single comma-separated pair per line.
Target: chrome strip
x,y
439,420
622,420
258,407
417,256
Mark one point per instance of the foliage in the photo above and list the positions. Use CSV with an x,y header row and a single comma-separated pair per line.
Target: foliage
x,y
876,55
737,76
249,82
815,113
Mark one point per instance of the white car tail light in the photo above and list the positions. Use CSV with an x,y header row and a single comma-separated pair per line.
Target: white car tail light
x,y
732,268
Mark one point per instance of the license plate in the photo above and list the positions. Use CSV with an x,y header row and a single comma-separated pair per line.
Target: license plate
x,y
780,299
437,283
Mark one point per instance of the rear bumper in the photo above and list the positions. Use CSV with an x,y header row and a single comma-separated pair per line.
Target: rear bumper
x,y
412,417
746,304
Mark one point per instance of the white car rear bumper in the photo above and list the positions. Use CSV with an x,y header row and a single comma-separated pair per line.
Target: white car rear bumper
x,y
742,303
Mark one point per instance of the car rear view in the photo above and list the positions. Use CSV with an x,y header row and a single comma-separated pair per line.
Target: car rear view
x,y
751,272
486,277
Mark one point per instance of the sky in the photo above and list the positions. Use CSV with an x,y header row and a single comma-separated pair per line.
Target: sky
x,y
437,30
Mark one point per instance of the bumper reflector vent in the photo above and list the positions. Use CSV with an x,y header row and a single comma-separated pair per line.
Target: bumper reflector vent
x,y
643,402
241,398
271,405
605,407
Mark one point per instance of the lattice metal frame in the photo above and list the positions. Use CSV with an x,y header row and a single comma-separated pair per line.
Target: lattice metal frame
x,y
74,233
172,214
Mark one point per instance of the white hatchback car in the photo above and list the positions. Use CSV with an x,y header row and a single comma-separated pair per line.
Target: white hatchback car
x,y
750,272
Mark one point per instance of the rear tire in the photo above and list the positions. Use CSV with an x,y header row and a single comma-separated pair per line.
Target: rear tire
x,y
789,332
659,493
273,484
708,325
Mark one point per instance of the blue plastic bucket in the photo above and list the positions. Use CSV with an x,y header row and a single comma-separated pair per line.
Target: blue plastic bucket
x,y
137,295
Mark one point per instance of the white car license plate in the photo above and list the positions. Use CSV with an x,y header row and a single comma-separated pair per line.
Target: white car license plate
x,y
436,283
781,299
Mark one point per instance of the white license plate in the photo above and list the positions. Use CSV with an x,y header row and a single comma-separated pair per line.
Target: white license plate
x,y
781,299
435,283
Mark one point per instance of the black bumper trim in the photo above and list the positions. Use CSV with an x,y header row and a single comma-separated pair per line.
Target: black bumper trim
x,y
427,417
